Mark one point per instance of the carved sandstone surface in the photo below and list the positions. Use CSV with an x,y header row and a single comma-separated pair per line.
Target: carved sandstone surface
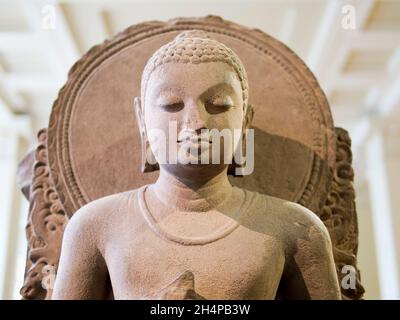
x,y
298,155
46,222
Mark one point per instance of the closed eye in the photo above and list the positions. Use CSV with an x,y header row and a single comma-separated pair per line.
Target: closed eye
x,y
173,107
169,100
219,104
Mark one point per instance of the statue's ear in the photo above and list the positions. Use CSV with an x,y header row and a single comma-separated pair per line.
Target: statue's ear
x,y
137,104
248,117
234,169
149,162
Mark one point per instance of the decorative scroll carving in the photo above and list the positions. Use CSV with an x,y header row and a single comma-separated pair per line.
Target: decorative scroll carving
x,y
340,216
45,227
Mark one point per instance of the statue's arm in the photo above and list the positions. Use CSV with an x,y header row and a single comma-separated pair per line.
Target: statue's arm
x,y
82,272
310,271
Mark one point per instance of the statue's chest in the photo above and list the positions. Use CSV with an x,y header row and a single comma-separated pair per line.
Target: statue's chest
x,y
241,265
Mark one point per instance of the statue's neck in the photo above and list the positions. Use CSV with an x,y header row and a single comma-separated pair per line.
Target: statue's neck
x,y
191,195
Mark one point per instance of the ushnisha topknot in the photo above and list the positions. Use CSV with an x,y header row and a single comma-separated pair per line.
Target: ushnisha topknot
x,y
195,46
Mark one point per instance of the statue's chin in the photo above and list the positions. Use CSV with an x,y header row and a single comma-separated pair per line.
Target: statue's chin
x,y
194,166
191,171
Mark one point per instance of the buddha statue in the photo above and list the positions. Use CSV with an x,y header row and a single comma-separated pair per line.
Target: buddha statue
x,y
192,234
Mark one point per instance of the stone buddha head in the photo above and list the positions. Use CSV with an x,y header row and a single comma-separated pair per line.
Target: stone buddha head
x,y
193,113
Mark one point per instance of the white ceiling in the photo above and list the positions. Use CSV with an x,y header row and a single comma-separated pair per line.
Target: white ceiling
x,y
358,69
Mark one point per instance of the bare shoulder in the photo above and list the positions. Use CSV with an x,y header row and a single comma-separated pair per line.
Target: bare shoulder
x,y
302,216
94,217
295,220
99,209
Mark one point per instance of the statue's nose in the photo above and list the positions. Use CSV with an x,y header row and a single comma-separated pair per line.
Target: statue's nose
x,y
194,116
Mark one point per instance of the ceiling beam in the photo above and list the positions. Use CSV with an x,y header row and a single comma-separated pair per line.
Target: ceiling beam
x,y
332,74
89,26
19,41
11,99
390,98
60,48
357,80
374,40
30,82
323,49
325,36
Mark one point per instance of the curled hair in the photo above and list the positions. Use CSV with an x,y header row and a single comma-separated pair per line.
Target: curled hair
x,y
195,46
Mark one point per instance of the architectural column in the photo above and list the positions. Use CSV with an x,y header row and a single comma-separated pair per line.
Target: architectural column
x,y
13,147
382,212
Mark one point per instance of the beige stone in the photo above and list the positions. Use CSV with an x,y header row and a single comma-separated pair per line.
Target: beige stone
x,y
251,237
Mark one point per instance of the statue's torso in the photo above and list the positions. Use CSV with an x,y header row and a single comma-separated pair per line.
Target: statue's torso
x,y
242,264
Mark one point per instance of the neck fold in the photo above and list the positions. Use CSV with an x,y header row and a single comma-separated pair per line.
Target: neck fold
x,y
192,195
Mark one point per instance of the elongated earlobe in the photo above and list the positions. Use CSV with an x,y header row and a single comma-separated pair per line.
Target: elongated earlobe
x,y
248,118
149,162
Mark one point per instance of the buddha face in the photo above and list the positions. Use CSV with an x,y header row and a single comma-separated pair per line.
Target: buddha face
x,y
196,101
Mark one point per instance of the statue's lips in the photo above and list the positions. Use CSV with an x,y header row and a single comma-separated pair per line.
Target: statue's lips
x,y
195,141
195,146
